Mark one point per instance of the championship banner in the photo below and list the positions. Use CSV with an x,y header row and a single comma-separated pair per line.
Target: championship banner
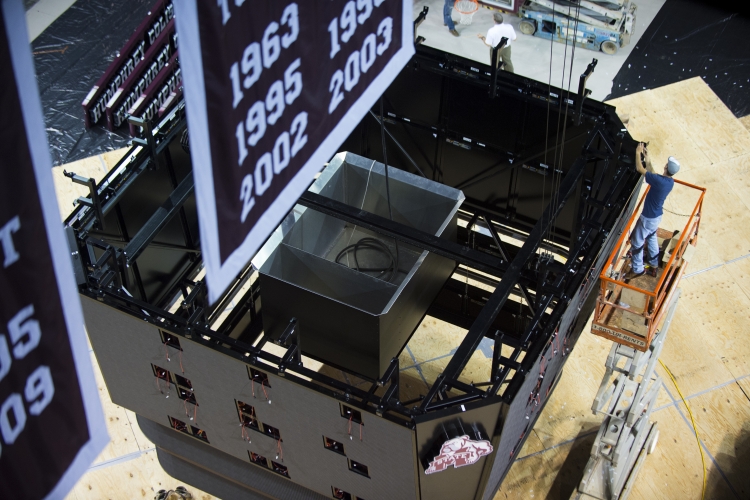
x,y
51,421
272,89
130,57
148,105
154,62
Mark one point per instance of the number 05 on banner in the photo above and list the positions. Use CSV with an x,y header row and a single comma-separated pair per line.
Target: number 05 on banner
x,y
272,89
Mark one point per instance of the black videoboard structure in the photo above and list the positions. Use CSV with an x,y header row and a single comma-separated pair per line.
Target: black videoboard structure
x,y
546,178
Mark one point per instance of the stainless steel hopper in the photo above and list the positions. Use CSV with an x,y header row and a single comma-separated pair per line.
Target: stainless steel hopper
x,y
354,308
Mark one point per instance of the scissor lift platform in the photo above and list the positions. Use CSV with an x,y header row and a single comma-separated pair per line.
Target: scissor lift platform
x,y
629,311
626,398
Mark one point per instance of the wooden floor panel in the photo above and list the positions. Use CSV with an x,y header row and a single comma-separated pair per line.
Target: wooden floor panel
x,y
696,365
725,215
720,311
723,420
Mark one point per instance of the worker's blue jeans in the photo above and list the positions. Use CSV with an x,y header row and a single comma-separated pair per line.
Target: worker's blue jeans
x,y
644,235
447,10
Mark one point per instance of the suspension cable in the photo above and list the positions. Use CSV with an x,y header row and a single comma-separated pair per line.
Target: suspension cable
x,y
553,198
557,176
567,100
546,130
387,186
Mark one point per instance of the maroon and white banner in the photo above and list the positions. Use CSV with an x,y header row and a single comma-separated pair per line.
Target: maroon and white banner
x,y
148,106
131,56
272,89
154,62
51,422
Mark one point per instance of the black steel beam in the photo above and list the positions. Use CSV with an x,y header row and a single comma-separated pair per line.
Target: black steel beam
x,y
398,144
511,277
495,69
525,157
555,317
160,218
420,239
500,249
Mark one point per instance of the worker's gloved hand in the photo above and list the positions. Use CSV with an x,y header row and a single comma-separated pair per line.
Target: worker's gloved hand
x,y
639,152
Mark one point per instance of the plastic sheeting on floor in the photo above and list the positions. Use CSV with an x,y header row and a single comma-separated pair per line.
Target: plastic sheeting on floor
x,y
690,38
70,56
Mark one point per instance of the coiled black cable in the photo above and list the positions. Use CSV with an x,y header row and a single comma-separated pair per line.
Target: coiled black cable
x,y
371,244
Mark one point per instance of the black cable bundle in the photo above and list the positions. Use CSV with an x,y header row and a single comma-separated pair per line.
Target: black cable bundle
x,y
371,244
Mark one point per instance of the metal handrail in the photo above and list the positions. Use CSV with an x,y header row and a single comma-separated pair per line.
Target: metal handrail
x,y
658,296
698,205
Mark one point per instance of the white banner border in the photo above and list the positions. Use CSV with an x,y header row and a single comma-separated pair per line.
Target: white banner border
x,y
31,107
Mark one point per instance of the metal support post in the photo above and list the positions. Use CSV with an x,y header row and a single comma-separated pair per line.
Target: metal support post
x,y
93,201
495,69
291,338
149,141
419,20
583,92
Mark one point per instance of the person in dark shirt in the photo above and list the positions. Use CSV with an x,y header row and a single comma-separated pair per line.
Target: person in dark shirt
x,y
644,232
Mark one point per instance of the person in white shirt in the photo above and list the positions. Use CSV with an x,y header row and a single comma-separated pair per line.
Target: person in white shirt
x,y
494,35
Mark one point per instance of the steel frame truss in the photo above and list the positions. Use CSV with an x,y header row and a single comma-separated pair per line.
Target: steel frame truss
x,y
545,285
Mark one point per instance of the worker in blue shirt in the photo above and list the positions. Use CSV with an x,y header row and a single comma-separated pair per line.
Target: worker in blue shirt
x,y
644,232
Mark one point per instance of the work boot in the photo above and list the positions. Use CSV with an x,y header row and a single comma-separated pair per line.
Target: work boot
x,y
632,274
454,33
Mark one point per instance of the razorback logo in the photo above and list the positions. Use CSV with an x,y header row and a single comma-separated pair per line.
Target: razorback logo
x,y
458,452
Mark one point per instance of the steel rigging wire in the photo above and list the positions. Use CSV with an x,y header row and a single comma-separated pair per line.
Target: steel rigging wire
x,y
546,130
387,186
557,160
567,100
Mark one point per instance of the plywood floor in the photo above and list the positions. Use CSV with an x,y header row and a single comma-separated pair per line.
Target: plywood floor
x,y
705,350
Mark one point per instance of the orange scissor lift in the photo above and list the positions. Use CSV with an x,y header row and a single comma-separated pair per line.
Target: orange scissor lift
x,y
628,312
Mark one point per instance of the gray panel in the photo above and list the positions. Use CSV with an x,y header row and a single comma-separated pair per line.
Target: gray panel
x,y
303,417
126,346
416,297
215,472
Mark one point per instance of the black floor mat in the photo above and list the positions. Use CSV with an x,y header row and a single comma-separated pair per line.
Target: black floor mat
x,y
70,56
690,38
